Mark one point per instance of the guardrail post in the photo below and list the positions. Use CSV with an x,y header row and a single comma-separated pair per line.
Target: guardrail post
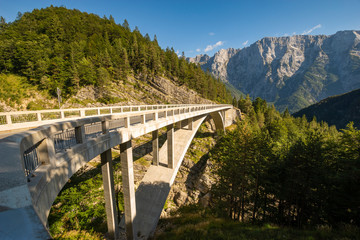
x,y
98,111
82,113
143,118
62,114
38,116
155,116
8,119
111,110
170,146
127,122
155,147
105,126
127,173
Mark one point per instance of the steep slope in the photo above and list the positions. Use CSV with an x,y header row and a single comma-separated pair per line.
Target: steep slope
x,y
294,71
336,110
60,48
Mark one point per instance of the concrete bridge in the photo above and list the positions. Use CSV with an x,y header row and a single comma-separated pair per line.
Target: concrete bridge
x,y
35,164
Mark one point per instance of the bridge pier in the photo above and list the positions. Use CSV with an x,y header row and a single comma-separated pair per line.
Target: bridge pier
x,y
170,146
155,147
190,124
127,172
108,183
109,193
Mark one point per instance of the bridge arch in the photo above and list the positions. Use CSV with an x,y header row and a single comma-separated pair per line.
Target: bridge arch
x,y
62,148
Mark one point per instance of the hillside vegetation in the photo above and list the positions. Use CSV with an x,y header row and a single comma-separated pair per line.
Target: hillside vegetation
x,y
336,110
69,49
278,177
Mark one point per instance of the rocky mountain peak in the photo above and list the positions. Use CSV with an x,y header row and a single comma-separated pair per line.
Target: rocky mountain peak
x,y
202,58
293,71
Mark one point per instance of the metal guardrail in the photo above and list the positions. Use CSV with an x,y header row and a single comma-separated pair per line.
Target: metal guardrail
x,y
31,160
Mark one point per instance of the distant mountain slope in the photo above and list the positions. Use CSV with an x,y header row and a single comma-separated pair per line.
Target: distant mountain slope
x,y
292,72
336,110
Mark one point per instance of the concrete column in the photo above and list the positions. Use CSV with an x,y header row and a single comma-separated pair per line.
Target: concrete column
x,y
190,124
50,150
80,134
178,125
170,146
155,147
128,187
42,152
109,193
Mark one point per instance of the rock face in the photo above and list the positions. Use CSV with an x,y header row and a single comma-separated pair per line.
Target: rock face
x,y
294,71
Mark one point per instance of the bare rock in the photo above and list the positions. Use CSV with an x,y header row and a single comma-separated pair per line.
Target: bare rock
x,y
180,198
205,200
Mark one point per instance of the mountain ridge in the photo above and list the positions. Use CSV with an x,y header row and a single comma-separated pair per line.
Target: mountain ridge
x,y
336,110
294,71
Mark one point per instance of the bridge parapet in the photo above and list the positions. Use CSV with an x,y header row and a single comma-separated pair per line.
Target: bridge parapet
x,y
27,119
36,164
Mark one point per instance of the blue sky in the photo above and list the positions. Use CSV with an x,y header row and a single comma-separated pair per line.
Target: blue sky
x,y
198,27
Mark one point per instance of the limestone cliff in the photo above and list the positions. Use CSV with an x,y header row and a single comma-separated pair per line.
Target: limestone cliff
x,y
294,71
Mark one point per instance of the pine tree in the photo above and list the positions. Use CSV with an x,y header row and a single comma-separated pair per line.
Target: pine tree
x,y
126,25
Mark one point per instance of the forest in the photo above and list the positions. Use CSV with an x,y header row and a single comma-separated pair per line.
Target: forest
x,y
57,47
288,171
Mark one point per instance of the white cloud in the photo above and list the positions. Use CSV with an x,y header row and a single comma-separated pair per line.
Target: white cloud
x,y
177,52
211,47
211,33
312,29
198,50
246,42
294,33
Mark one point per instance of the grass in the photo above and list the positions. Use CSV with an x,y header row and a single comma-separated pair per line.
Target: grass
x,y
78,212
192,222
